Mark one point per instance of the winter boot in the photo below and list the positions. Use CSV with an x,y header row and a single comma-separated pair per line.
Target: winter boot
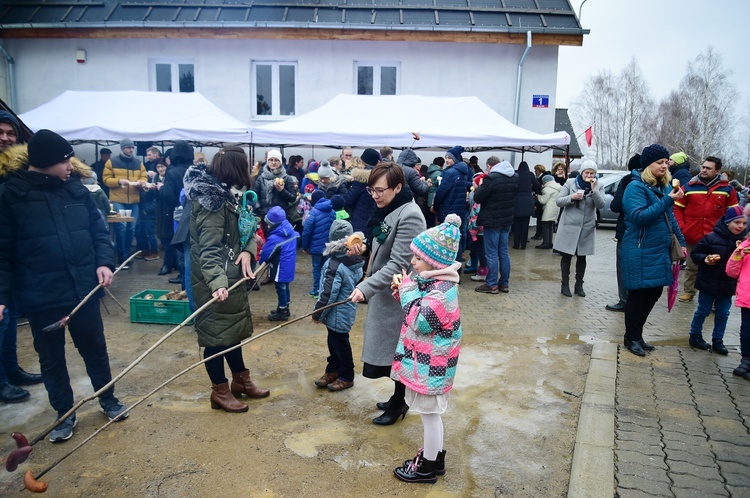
x,y
744,367
565,271
279,315
242,384
418,470
222,398
580,271
440,462
696,341
718,346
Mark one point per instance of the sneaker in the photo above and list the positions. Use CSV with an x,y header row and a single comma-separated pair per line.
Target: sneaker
x,y
686,298
486,289
479,278
152,257
313,294
142,255
112,408
64,431
504,289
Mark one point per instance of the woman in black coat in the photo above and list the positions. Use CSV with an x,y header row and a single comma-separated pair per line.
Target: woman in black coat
x,y
523,205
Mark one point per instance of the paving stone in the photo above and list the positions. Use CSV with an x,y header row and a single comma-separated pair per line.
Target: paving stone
x,y
690,467
640,484
697,447
695,493
701,460
653,449
672,439
739,492
735,468
625,426
737,479
635,493
724,429
700,480
637,417
646,438
729,452
650,472
642,459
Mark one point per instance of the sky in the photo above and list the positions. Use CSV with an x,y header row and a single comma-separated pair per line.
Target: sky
x,y
663,35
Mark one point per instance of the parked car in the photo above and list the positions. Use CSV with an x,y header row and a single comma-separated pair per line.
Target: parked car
x,y
609,184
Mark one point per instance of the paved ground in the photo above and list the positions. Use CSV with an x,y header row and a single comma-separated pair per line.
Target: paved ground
x,y
672,424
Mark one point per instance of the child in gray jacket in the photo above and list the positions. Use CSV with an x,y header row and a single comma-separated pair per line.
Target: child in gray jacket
x,y
340,275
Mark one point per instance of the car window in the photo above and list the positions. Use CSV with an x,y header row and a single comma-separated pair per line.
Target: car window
x,y
611,188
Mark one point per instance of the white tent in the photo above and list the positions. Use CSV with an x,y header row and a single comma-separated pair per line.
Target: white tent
x,y
364,120
140,116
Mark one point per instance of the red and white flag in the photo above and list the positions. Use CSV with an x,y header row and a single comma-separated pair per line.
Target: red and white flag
x,y
589,135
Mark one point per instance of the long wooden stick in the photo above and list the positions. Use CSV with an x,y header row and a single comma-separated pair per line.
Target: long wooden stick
x,y
66,319
180,374
106,289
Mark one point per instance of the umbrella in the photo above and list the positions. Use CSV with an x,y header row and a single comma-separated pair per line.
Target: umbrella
x,y
672,290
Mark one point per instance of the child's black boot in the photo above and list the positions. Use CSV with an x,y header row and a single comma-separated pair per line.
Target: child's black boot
x,y
418,470
279,315
744,367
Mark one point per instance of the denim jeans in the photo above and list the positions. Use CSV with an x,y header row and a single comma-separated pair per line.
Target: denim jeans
x,y
498,259
707,301
282,291
8,335
124,232
87,331
145,236
186,283
340,360
317,266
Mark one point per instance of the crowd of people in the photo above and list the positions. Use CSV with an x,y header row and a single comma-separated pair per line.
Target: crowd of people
x,y
389,233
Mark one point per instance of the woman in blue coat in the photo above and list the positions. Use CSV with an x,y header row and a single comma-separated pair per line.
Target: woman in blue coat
x,y
646,262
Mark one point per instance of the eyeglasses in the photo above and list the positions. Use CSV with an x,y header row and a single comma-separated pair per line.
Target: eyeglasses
x,y
376,192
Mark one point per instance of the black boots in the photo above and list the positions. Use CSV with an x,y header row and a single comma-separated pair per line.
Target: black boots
x,y
22,378
718,346
391,415
279,315
12,394
565,272
580,271
697,342
635,347
419,469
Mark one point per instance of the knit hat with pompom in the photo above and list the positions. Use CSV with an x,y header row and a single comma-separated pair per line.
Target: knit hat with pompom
x,y
438,245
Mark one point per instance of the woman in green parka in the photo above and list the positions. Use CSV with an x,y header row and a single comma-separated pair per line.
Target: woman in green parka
x,y
217,262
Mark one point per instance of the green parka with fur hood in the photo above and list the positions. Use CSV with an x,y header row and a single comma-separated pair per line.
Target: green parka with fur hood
x,y
214,247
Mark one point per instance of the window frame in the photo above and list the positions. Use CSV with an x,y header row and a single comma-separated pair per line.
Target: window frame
x,y
276,90
174,62
376,75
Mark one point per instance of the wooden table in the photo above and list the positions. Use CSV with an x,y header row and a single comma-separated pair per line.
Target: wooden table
x,y
120,219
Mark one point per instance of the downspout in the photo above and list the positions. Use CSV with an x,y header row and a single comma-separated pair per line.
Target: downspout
x,y
11,76
518,87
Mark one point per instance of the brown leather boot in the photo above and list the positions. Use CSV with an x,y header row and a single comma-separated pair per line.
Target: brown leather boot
x,y
222,398
241,384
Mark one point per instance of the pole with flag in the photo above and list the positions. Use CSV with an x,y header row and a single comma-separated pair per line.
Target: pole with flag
x,y
589,135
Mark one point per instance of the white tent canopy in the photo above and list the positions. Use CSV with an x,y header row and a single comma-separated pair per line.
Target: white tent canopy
x,y
441,122
140,116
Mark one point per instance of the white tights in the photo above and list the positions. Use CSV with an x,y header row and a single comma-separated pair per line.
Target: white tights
x,y
433,435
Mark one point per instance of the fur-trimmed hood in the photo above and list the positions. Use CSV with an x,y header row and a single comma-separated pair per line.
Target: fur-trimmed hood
x,y
16,158
360,175
205,189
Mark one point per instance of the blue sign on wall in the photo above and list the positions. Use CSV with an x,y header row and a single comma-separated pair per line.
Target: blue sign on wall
x,y
540,101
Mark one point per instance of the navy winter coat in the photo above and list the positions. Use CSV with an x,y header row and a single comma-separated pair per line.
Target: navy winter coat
x,y
450,196
523,204
340,276
645,245
317,226
713,279
358,202
52,240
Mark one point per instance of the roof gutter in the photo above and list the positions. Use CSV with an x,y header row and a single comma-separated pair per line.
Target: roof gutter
x,y
518,85
11,76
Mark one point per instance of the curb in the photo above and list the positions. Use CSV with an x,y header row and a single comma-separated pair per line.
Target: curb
x,y
593,470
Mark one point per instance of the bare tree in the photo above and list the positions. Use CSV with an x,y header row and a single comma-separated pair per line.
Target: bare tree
x,y
698,118
618,107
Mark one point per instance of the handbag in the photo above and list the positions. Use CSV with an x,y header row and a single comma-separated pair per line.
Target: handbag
x,y
247,222
675,248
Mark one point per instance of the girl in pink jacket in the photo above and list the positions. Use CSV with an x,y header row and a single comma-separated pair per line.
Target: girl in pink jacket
x,y
738,267
427,352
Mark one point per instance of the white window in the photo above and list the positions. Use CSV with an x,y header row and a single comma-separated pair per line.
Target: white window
x,y
275,88
376,78
172,75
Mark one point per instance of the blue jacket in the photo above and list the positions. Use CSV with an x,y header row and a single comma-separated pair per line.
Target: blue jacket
x,y
647,239
340,276
450,196
358,202
283,270
317,226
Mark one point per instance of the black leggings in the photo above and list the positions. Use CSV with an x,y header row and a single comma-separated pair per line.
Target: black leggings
x,y
215,367
638,307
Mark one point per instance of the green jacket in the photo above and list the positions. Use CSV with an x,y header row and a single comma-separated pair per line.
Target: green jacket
x,y
214,246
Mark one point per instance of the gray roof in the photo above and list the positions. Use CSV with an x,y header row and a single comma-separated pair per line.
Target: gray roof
x,y
538,16
562,123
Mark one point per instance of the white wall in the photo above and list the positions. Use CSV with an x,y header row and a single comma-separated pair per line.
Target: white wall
x,y
46,68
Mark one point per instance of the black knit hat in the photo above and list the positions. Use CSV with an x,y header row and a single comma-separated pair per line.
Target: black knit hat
x,y
47,148
653,153
370,157
634,162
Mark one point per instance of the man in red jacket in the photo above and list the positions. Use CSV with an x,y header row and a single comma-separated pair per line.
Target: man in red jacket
x,y
707,197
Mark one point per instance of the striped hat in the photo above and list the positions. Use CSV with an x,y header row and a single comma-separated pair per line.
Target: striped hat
x,y
438,245
733,213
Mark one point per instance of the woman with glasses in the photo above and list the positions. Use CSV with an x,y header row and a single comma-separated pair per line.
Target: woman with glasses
x,y
395,221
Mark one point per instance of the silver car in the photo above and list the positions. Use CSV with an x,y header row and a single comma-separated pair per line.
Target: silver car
x,y
608,184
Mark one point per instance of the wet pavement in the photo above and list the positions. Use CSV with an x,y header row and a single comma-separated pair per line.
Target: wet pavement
x,y
533,404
